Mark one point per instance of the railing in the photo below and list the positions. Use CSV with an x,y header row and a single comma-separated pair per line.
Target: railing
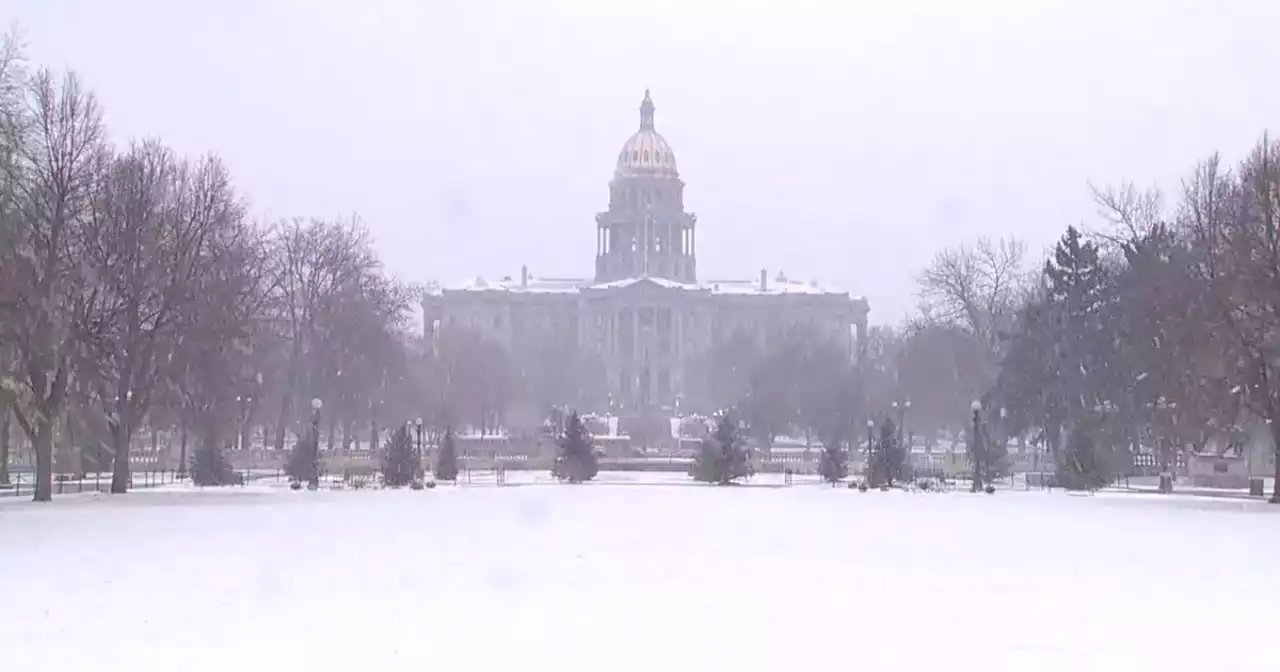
x,y
24,484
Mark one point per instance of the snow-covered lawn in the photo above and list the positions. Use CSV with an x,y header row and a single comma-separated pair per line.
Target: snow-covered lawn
x,y
631,575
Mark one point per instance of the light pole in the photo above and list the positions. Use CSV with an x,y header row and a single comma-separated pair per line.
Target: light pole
x,y
417,462
902,409
976,449
242,405
1003,433
313,468
871,426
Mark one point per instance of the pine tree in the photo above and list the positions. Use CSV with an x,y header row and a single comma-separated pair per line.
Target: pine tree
x,y
833,464
210,467
1082,465
1078,295
577,462
995,460
447,458
723,457
304,460
399,459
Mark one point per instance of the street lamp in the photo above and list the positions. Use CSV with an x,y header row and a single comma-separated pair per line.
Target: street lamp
x,y
418,455
242,405
313,469
871,426
976,449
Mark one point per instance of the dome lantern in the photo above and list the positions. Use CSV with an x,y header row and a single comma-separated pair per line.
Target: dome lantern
x,y
646,153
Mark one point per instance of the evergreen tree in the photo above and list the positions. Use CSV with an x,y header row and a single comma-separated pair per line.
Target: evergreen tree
x,y
833,464
447,458
304,460
577,462
399,459
1078,295
995,459
210,467
723,456
1082,465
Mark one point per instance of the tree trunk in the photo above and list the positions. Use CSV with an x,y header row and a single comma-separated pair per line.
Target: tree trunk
x,y
42,446
75,453
182,449
120,439
6,436
282,422
1275,440
348,435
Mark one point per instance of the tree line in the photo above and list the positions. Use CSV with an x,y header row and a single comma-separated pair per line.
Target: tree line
x,y
138,295
140,298
1153,333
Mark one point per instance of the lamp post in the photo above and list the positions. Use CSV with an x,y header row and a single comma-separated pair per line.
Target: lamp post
x,y
1166,464
242,405
313,469
417,462
976,448
871,427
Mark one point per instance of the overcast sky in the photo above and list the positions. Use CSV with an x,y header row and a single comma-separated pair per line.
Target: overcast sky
x,y
843,142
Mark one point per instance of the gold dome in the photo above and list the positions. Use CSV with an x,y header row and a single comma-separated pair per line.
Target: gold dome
x,y
646,153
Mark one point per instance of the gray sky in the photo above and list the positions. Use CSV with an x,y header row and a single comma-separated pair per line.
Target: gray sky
x,y
838,141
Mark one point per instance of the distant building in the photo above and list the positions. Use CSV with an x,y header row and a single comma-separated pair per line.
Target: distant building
x,y
645,316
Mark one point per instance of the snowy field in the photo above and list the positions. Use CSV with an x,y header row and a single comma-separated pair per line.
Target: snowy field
x,y
636,575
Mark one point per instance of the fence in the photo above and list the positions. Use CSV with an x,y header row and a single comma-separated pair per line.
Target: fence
x,y
24,484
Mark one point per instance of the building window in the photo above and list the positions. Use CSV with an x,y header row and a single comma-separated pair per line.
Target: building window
x,y
635,156
646,155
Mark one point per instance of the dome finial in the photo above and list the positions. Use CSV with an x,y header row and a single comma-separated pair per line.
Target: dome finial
x,y
646,112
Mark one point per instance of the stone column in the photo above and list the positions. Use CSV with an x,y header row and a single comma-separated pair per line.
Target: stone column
x,y
860,323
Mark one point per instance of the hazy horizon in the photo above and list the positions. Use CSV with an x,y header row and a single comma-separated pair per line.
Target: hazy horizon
x,y
839,144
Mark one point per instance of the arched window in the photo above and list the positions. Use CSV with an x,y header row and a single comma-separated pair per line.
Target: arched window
x,y
635,156
646,155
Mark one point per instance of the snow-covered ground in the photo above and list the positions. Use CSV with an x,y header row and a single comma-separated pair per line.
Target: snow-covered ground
x,y
631,574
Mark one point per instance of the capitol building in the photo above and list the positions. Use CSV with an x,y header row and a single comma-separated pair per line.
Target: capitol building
x,y
645,316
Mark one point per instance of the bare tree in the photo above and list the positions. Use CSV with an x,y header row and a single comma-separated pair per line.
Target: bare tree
x,y
210,357
478,377
46,298
317,261
1130,213
978,288
939,368
12,120
152,218
1236,223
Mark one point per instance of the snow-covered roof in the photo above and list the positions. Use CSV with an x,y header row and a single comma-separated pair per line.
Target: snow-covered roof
x,y
776,286
533,285
780,285
661,282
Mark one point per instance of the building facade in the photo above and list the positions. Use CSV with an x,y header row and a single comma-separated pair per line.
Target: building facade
x,y
645,316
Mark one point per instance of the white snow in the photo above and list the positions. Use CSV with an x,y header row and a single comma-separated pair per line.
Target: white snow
x,y
636,573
